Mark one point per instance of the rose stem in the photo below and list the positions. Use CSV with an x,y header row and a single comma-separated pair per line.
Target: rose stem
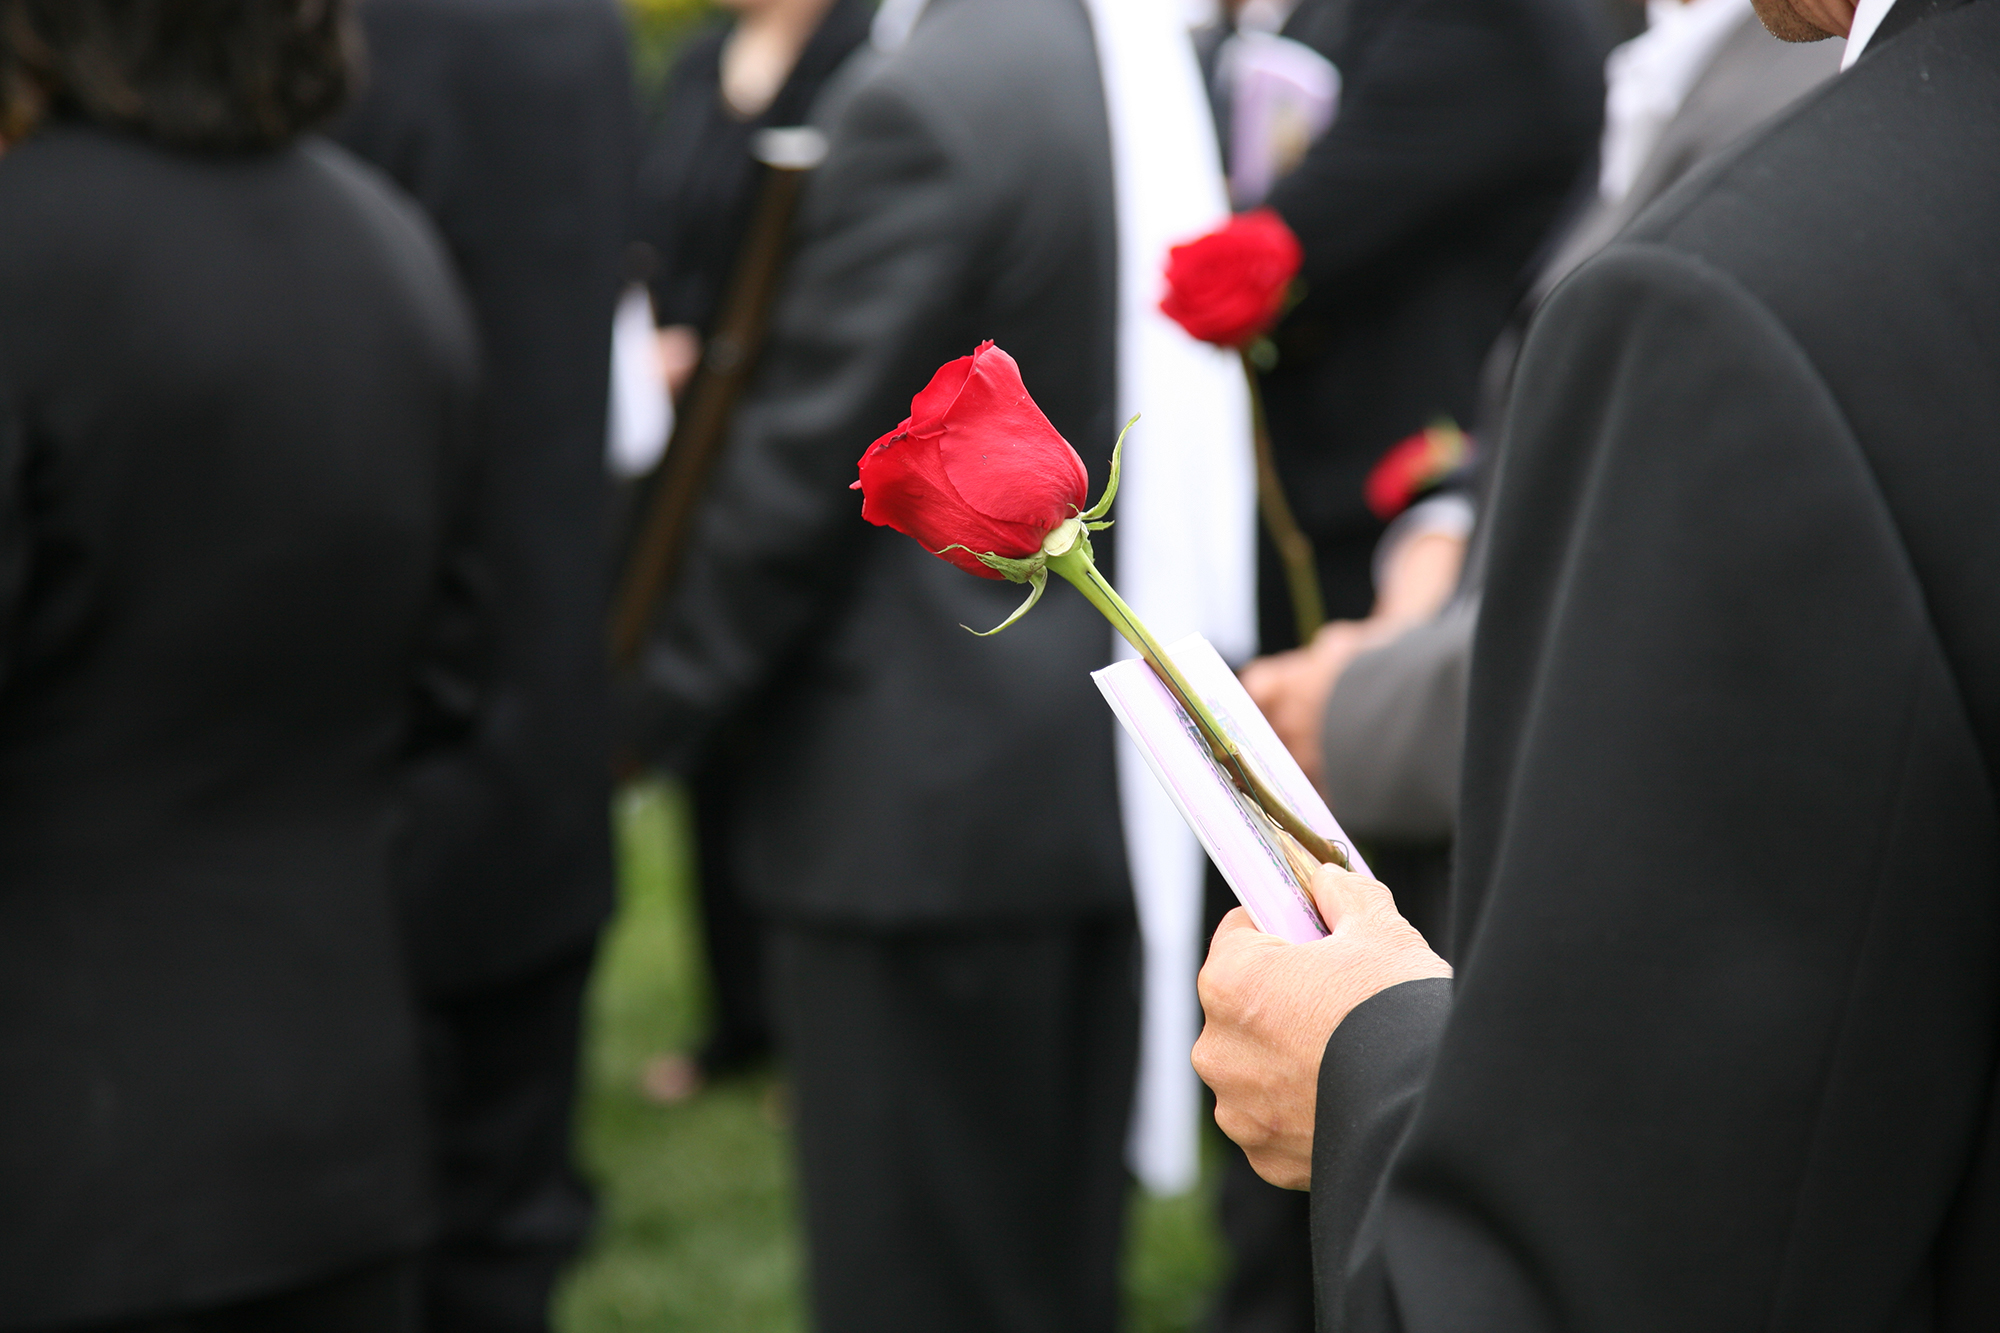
x,y
1295,549
1076,565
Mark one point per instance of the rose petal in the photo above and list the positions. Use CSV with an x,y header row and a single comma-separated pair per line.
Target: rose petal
x,y
904,486
1004,458
930,407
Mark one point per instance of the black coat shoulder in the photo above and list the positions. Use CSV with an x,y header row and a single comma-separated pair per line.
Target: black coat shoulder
x,y
1730,831
1863,221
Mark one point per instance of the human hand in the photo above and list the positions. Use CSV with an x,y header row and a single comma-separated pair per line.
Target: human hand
x,y
679,352
1270,1007
1292,688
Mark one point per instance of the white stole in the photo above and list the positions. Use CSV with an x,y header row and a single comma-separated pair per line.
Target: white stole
x,y
1186,521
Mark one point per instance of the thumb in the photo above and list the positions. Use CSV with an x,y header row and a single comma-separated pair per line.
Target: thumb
x,y
1342,893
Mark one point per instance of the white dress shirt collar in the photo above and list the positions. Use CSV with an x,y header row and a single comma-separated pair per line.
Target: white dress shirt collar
x,y
1868,16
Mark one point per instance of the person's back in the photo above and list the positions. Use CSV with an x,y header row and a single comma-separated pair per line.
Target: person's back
x,y
1461,136
229,386
928,818
966,196
511,124
1729,858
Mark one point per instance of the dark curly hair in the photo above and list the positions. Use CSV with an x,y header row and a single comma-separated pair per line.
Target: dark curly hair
x,y
208,74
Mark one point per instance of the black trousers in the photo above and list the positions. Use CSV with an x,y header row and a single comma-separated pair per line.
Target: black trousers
x,y
502,1064
732,930
962,1103
380,1298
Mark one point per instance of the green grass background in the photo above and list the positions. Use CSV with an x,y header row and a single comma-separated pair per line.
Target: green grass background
x,y
696,1231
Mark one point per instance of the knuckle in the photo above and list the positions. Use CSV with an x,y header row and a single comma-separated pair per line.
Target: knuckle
x,y
1242,1130
1203,1056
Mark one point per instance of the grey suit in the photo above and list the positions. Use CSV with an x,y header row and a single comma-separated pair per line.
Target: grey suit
x,y
1395,726
927,818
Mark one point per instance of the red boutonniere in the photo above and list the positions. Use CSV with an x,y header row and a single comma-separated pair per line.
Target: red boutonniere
x,y
1413,466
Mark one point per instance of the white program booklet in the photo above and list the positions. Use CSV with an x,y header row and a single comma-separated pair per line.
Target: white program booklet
x,y
1238,839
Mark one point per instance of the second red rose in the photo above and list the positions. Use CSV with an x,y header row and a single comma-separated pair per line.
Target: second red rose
x,y
1229,286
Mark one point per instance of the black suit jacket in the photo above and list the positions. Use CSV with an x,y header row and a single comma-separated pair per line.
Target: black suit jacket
x,y
895,769
229,390
512,124
1463,130
1722,1053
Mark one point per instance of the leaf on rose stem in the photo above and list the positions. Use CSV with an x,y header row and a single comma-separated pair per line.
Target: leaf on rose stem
x,y
1103,505
1036,581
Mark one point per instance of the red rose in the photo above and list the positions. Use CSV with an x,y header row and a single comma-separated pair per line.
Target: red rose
x,y
975,465
1412,466
1229,286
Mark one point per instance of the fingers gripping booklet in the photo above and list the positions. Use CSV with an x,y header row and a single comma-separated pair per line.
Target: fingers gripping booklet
x,y
1245,846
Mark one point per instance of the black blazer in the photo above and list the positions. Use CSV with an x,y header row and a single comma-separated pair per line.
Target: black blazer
x,y
1464,129
1725,1038
513,126
895,769
229,388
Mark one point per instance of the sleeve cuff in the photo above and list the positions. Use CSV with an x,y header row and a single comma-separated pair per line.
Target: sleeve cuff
x,y
1370,1080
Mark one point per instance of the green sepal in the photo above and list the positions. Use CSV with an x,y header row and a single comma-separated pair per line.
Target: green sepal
x,y
1015,571
1100,525
1036,581
1103,505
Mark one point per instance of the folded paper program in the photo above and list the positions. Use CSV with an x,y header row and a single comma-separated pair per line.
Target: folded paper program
x,y
1257,858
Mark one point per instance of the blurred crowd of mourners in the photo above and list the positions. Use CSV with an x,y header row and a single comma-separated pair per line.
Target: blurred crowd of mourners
x,y
411,427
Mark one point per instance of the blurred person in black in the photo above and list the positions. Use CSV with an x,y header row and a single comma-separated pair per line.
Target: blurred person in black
x,y
235,376
763,68
1463,132
928,820
512,124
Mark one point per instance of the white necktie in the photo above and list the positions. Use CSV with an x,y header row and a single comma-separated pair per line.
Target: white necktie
x,y
1186,515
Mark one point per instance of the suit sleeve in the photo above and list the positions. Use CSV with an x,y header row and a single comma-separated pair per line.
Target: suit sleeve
x,y
1442,105
881,261
1395,732
1720,1042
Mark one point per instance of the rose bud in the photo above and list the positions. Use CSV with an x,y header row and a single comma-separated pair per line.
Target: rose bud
x,y
1229,286
975,469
